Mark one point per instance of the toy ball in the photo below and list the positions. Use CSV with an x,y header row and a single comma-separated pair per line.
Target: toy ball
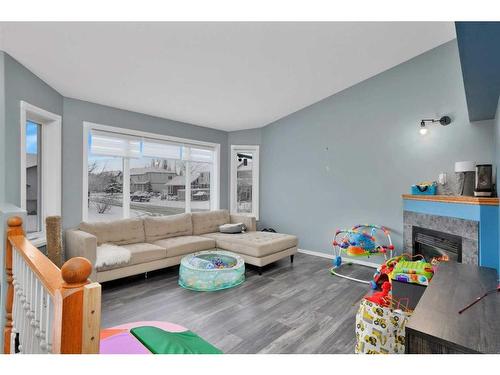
x,y
337,261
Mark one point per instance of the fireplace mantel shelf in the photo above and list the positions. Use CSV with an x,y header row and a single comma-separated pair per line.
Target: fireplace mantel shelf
x,y
487,201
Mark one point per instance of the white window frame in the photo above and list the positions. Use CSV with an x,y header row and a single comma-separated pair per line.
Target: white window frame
x,y
254,149
51,168
214,181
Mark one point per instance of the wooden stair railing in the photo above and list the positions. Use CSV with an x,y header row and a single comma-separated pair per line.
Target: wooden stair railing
x,y
48,310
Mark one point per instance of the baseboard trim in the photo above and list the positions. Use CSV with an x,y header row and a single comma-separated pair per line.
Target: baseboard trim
x,y
330,256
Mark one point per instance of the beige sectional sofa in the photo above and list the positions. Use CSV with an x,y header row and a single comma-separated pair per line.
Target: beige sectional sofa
x,y
132,246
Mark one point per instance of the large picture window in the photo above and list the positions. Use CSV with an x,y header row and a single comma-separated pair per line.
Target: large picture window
x,y
140,174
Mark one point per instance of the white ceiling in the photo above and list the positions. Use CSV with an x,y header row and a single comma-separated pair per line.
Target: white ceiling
x,y
226,76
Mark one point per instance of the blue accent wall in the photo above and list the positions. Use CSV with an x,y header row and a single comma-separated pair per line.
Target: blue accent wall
x,y
480,57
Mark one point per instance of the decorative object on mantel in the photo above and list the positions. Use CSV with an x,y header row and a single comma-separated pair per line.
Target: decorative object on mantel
x,y
483,186
465,171
442,178
445,120
424,188
445,185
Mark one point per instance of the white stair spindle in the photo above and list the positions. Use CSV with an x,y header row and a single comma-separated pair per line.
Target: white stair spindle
x,y
43,321
21,305
49,320
29,312
14,303
36,305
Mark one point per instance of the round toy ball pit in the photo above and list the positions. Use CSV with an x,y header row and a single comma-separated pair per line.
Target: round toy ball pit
x,y
212,270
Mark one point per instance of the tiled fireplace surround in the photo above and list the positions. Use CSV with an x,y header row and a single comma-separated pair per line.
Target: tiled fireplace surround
x,y
475,220
467,229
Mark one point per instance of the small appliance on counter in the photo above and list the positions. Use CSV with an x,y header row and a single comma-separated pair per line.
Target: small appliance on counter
x,y
424,188
466,173
483,186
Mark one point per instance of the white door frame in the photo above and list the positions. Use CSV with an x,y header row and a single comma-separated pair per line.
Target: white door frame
x,y
254,149
51,154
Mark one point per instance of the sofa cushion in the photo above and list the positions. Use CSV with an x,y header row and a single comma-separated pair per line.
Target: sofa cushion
x,y
256,244
185,245
145,252
118,232
232,228
209,221
159,227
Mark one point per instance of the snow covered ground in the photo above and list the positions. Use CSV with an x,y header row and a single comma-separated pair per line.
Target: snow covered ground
x,y
155,207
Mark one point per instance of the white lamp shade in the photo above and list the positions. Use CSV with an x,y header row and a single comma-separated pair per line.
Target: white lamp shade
x,y
465,166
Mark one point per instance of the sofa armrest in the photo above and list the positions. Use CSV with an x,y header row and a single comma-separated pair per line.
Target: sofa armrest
x,y
249,221
82,244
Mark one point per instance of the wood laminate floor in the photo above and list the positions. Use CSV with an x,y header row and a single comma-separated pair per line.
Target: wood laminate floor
x,y
291,308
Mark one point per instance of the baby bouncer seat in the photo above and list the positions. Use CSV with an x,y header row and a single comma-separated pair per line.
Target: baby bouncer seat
x,y
363,240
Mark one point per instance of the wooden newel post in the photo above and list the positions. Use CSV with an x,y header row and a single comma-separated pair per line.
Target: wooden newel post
x,y
69,320
15,228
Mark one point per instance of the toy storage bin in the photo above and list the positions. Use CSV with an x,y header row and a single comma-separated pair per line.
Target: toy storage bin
x,y
379,329
425,190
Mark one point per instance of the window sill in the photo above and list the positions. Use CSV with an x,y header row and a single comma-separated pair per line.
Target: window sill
x,y
38,241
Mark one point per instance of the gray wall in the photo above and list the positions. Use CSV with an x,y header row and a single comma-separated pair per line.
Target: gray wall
x,y
341,161
21,84
77,111
348,158
245,137
2,127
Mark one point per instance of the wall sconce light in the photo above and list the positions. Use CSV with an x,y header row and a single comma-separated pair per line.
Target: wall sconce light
x,y
445,120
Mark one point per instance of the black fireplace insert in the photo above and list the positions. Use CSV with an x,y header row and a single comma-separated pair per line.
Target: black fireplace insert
x,y
433,244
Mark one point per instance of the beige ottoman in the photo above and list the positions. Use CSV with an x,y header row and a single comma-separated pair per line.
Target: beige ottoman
x,y
257,248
